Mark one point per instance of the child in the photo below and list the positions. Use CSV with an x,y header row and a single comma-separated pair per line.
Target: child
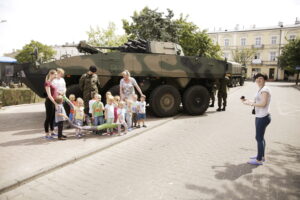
x,y
97,111
134,110
121,115
91,102
79,116
73,101
116,103
60,114
141,108
109,113
128,115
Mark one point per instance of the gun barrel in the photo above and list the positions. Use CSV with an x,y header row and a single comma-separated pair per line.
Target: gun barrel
x,y
110,48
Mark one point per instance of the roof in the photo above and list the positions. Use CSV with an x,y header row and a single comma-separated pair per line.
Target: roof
x,y
4,59
258,29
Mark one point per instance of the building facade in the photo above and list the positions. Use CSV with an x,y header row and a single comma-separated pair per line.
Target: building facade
x,y
266,42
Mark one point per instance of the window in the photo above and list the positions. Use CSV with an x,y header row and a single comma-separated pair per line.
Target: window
x,y
243,41
292,37
273,39
257,56
226,55
226,42
256,70
258,41
272,56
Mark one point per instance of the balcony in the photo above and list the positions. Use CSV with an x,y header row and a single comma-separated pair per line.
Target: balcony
x,y
257,62
271,63
258,46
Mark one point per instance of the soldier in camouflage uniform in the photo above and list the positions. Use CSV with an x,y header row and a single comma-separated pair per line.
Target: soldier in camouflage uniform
x,y
89,83
222,93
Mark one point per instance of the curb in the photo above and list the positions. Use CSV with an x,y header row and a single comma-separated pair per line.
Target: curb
x,y
44,171
19,105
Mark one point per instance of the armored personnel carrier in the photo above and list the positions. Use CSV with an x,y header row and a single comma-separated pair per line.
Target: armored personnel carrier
x,y
167,77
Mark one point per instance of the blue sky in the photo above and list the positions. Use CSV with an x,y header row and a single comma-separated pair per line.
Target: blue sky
x,y
59,21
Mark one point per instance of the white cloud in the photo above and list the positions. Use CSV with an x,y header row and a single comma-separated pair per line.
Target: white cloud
x,y
59,21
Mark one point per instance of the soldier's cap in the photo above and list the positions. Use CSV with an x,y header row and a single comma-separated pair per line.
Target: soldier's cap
x,y
265,77
93,69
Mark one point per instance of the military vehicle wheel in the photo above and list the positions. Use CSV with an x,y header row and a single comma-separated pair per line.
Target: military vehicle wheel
x,y
165,101
115,90
72,89
242,81
234,81
196,100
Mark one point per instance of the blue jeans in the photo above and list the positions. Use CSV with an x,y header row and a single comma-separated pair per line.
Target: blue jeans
x,y
98,120
261,125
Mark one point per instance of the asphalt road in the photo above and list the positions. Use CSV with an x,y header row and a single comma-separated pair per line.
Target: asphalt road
x,y
191,157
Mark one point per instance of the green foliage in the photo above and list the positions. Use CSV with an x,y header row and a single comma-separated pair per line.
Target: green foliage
x,y
243,56
290,56
195,42
153,25
105,37
45,53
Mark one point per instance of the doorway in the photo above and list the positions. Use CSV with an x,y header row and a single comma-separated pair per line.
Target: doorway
x,y
271,73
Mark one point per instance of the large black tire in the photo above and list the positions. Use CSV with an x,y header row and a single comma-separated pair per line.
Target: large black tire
x,y
242,81
234,82
72,89
165,101
196,100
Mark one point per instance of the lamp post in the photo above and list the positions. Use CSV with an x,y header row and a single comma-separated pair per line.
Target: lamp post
x,y
279,50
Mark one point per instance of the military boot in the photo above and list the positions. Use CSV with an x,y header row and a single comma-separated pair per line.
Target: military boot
x,y
211,105
223,109
219,109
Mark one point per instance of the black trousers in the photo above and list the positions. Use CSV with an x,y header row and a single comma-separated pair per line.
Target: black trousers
x,y
60,126
50,115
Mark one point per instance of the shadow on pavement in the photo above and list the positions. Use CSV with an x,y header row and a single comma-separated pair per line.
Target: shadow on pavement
x,y
29,131
281,181
21,121
233,172
41,141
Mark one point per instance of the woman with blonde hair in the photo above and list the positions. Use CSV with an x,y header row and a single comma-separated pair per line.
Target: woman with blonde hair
x,y
50,103
127,85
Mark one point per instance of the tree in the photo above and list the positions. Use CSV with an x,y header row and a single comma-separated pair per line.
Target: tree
x,y
44,53
152,25
105,37
243,56
194,41
290,57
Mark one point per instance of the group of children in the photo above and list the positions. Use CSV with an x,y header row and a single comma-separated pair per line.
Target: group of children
x,y
130,113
